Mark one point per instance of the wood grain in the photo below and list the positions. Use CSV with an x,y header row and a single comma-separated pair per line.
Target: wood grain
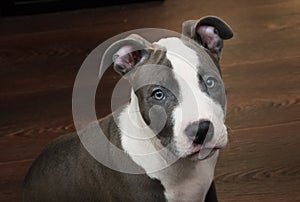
x,y
40,56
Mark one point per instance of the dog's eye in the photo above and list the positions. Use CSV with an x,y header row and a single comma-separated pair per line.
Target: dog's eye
x,y
210,82
158,94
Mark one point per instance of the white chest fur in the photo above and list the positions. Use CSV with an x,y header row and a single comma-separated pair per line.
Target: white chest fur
x,y
187,180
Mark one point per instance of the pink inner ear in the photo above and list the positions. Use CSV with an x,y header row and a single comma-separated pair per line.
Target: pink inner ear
x,y
208,37
127,57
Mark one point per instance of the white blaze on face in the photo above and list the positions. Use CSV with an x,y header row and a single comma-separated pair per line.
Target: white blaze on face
x,y
194,105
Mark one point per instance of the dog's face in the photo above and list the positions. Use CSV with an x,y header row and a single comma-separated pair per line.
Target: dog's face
x,y
177,85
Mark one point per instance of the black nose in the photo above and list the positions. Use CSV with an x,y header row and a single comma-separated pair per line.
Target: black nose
x,y
198,131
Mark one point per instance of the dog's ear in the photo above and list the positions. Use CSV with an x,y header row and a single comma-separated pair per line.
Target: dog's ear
x,y
126,53
209,32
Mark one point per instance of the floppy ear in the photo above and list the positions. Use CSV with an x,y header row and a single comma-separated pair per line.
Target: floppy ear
x,y
209,32
126,53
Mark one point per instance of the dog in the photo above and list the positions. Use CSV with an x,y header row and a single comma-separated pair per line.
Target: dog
x,y
177,105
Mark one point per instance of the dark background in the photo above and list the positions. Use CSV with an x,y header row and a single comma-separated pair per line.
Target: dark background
x,y
41,54
27,7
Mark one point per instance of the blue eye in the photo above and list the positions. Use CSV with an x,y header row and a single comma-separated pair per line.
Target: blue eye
x,y
210,82
158,94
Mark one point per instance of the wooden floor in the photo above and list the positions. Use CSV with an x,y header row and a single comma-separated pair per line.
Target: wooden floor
x,y
40,56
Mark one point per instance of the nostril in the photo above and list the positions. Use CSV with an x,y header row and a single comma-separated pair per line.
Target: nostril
x,y
197,131
203,128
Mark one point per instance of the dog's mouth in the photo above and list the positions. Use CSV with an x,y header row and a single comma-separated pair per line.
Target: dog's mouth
x,y
201,153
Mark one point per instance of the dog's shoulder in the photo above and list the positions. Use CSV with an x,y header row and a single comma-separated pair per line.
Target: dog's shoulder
x,y
54,156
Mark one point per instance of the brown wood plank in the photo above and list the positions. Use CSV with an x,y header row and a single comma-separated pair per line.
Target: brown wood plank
x,y
264,93
260,163
11,179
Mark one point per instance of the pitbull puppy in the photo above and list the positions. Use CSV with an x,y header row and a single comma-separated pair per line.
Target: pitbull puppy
x,y
177,106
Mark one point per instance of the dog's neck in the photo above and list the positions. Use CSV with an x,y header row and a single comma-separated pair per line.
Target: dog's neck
x,y
187,180
183,179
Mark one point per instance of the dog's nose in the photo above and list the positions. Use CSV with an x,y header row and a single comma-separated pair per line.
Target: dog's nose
x,y
198,131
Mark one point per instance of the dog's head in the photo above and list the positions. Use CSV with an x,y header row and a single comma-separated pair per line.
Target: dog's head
x,y
177,85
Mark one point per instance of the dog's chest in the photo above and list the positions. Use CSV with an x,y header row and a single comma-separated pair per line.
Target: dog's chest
x,y
184,180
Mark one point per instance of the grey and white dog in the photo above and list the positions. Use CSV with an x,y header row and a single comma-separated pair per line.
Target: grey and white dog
x,y
184,81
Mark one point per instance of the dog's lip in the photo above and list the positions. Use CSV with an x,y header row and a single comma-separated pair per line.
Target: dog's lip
x,y
197,150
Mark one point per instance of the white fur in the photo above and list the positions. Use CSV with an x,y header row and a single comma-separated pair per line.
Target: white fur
x,y
186,180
